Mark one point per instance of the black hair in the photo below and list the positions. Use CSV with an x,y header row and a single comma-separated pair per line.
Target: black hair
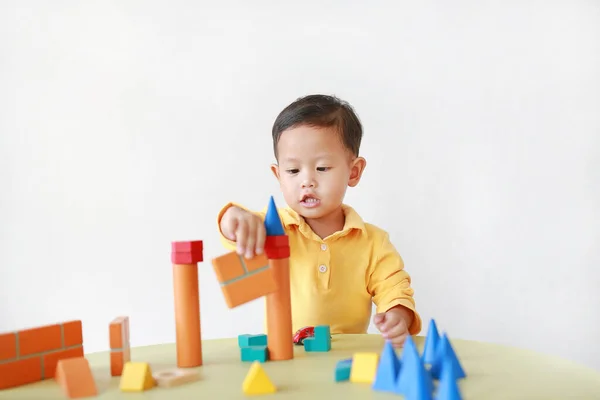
x,y
321,111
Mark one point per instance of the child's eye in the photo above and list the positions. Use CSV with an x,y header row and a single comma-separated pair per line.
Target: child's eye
x,y
292,171
323,169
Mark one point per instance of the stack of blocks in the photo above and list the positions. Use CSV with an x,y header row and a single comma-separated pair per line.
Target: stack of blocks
x,y
321,340
412,376
253,347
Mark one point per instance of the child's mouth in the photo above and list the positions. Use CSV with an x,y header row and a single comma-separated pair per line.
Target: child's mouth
x,y
310,202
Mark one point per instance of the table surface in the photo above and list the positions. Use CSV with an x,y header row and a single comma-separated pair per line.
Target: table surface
x,y
493,372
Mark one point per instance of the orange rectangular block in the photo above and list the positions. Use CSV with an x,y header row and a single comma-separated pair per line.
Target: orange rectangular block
x,y
72,333
52,359
242,279
228,267
119,345
8,346
37,340
21,372
249,288
119,333
75,377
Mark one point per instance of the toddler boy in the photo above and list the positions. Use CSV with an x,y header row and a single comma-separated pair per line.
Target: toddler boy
x,y
339,264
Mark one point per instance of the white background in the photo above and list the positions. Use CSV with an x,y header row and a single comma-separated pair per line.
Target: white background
x,y
125,125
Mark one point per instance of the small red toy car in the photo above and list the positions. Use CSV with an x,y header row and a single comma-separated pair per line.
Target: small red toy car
x,y
303,333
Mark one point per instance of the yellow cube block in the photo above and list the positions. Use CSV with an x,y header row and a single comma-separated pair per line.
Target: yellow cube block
x,y
136,377
364,367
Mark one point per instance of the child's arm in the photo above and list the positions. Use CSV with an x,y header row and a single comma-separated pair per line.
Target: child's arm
x,y
390,286
241,229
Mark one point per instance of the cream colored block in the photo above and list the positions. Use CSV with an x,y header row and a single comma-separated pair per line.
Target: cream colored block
x,y
175,377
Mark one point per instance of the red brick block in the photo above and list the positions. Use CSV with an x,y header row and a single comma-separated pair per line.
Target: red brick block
x,y
73,333
194,246
21,372
8,346
37,340
51,359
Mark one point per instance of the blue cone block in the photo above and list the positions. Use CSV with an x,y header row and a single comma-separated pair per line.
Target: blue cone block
x,y
431,343
444,350
388,370
272,221
448,388
414,381
410,359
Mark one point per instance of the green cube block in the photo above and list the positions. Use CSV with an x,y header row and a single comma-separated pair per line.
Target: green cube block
x,y
343,369
252,340
254,353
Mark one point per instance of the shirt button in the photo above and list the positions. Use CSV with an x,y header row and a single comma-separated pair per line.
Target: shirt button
x,y
322,268
323,247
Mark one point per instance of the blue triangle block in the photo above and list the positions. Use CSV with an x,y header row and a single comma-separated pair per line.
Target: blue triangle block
x,y
387,370
415,381
272,221
444,350
411,362
448,388
431,343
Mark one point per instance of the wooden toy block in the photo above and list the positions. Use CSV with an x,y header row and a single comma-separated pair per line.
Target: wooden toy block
x,y
257,381
175,377
242,279
273,224
364,367
252,340
187,303
188,252
75,377
342,370
444,350
431,342
321,342
387,370
254,353
120,349
31,355
136,377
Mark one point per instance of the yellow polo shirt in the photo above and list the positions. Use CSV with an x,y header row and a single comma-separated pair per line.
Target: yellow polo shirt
x,y
335,280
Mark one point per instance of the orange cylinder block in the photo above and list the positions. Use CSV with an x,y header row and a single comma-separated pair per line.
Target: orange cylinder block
x,y
187,315
187,303
279,313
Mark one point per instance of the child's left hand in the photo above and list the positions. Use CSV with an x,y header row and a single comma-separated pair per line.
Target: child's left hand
x,y
394,324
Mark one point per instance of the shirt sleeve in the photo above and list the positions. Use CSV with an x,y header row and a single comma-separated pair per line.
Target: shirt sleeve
x,y
390,284
227,243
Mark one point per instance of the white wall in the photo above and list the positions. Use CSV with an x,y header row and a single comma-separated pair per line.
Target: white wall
x,y
124,126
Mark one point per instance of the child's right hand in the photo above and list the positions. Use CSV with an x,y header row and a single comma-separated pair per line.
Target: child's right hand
x,y
246,229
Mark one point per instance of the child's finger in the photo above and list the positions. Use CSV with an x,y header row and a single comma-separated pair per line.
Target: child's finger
x,y
261,234
399,341
395,331
241,234
379,319
250,240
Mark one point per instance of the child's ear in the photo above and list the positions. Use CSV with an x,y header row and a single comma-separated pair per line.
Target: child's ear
x,y
356,170
275,170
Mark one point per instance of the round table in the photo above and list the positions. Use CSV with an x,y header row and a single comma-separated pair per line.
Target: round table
x,y
493,372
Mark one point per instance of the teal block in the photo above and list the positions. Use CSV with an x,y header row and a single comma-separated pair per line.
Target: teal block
x,y
254,353
252,340
321,342
343,369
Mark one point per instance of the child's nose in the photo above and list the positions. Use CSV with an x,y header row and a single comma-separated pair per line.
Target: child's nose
x,y
308,183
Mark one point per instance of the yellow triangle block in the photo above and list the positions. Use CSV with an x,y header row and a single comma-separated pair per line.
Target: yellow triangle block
x,y
257,381
136,377
364,367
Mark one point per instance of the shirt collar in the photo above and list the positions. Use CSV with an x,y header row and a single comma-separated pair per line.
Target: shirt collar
x,y
353,222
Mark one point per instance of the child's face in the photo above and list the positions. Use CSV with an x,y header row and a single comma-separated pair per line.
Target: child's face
x,y
315,169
